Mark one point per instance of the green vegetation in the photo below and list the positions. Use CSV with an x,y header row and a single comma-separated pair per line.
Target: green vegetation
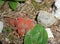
x,y
12,3
37,35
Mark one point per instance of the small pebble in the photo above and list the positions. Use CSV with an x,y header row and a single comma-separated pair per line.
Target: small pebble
x,y
1,26
50,34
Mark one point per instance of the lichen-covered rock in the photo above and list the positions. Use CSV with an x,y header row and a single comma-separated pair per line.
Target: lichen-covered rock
x,y
45,18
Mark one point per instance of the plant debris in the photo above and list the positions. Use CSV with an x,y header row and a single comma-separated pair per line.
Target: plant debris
x,y
18,23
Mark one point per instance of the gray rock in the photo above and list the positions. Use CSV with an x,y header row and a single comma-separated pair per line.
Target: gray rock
x,y
46,19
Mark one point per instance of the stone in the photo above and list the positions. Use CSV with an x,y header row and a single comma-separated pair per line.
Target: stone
x,y
46,19
1,26
51,38
57,3
57,14
50,34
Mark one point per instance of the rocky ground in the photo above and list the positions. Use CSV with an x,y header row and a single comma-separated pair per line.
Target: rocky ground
x,y
27,10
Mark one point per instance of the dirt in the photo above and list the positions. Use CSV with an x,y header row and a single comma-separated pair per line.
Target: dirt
x,y
26,11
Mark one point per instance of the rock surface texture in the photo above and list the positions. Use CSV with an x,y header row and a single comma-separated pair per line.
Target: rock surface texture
x,y
46,18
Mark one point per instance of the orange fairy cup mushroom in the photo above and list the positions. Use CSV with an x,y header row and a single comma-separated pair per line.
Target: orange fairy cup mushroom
x,y
22,25
29,24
